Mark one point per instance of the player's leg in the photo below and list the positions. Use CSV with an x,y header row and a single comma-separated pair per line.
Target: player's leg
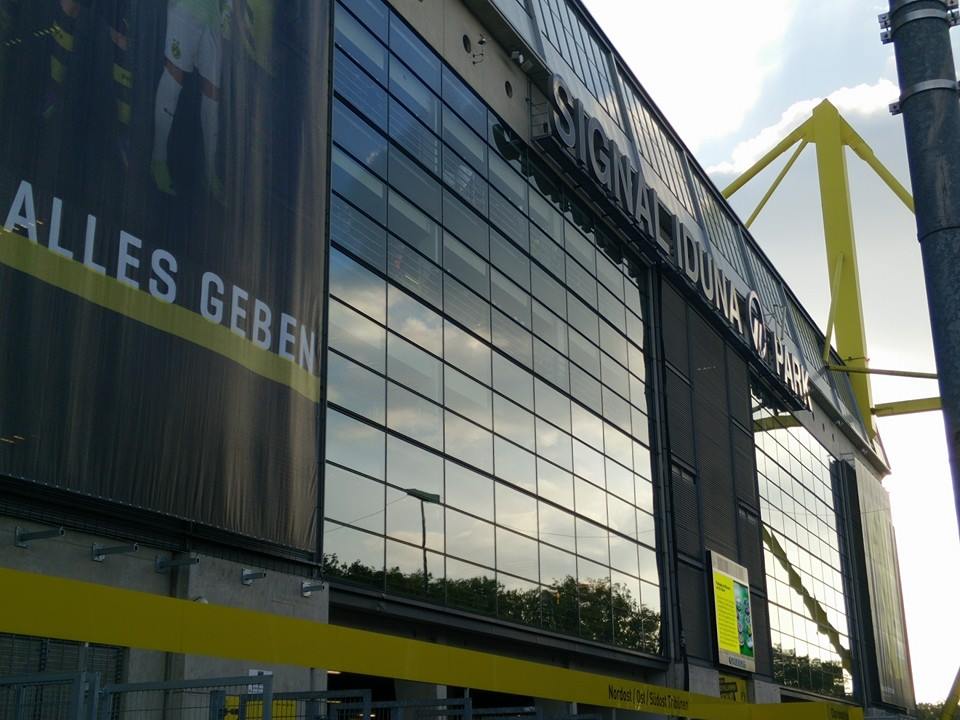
x,y
122,73
180,52
208,64
62,46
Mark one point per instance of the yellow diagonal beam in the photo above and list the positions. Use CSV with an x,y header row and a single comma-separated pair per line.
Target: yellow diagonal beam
x,y
865,153
907,407
776,183
758,167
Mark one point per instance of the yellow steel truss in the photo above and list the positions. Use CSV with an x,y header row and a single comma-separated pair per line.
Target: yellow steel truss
x,y
831,134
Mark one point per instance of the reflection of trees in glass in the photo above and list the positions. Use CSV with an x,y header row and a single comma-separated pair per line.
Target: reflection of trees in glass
x,y
593,609
801,671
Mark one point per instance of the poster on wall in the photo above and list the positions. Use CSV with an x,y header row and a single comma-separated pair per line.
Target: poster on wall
x,y
732,613
162,174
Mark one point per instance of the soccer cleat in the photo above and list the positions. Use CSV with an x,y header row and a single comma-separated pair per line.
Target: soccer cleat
x,y
162,178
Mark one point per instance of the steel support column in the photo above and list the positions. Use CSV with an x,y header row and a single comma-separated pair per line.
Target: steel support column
x,y
931,121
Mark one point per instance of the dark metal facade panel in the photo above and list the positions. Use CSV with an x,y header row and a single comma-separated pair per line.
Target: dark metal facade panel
x,y
751,549
694,604
686,513
744,467
679,418
738,389
674,328
761,634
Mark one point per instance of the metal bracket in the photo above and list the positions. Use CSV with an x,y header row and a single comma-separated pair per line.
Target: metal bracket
x,y
161,564
889,26
22,538
247,576
98,553
926,85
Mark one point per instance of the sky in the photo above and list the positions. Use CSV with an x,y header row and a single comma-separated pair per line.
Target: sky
x,y
733,78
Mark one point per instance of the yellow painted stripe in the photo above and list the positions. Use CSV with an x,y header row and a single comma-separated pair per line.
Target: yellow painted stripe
x,y
36,260
32,604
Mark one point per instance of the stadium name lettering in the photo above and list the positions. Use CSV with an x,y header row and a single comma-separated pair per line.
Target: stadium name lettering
x,y
613,171
156,272
647,697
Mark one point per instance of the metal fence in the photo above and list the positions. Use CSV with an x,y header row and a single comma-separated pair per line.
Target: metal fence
x,y
47,696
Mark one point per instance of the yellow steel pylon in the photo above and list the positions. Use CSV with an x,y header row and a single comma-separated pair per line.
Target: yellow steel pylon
x,y
831,134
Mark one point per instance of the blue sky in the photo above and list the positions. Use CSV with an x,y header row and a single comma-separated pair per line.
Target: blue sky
x,y
733,78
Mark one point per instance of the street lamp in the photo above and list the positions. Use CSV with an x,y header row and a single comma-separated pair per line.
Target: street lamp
x,y
424,497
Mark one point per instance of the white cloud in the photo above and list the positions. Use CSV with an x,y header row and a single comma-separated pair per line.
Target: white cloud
x,y
703,62
863,100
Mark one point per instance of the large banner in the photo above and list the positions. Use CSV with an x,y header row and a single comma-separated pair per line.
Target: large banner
x,y
162,199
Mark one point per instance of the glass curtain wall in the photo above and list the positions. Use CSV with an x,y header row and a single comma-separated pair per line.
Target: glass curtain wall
x,y
487,432
802,555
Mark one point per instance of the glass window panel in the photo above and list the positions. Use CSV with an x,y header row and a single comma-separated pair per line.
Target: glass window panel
x,y
505,141
556,567
467,397
583,319
512,338
616,410
614,375
587,427
414,416
613,343
513,422
627,616
581,282
365,144
585,389
465,352
352,554
512,380
516,510
373,13
648,565
409,466
355,388
635,330
411,366
633,298
415,95
466,265
588,463
514,464
613,311
471,587
518,600
405,571
466,307
469,537
359,185
640,425
509,219
646,530
508,181
554,444
517,555
619,480
465,180
617,445
545,215
354,444
549,327
623,554
357,233
411,520
554,483
591,500
414,52
414,320
580,248
548,291
356,336
552,404
361,45
414,272
511,299
557,527
411,134
467,143
353,499
584,353
359,90
592,541
414,182
468,490
468,442
466,225
644,494
609,274
413,226
546,252
641,460
638,391
550,364
510,260
461,99
622,516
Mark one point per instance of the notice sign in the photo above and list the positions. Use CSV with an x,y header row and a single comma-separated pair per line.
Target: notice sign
x,y
732,612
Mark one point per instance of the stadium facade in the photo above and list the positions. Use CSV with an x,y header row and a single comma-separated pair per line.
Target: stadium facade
x,y
428,303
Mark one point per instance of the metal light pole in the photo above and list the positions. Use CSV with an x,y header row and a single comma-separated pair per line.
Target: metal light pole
x,y
424,497
920,32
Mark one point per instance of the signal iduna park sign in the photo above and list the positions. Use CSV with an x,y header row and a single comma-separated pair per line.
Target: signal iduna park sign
x,y
615,176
